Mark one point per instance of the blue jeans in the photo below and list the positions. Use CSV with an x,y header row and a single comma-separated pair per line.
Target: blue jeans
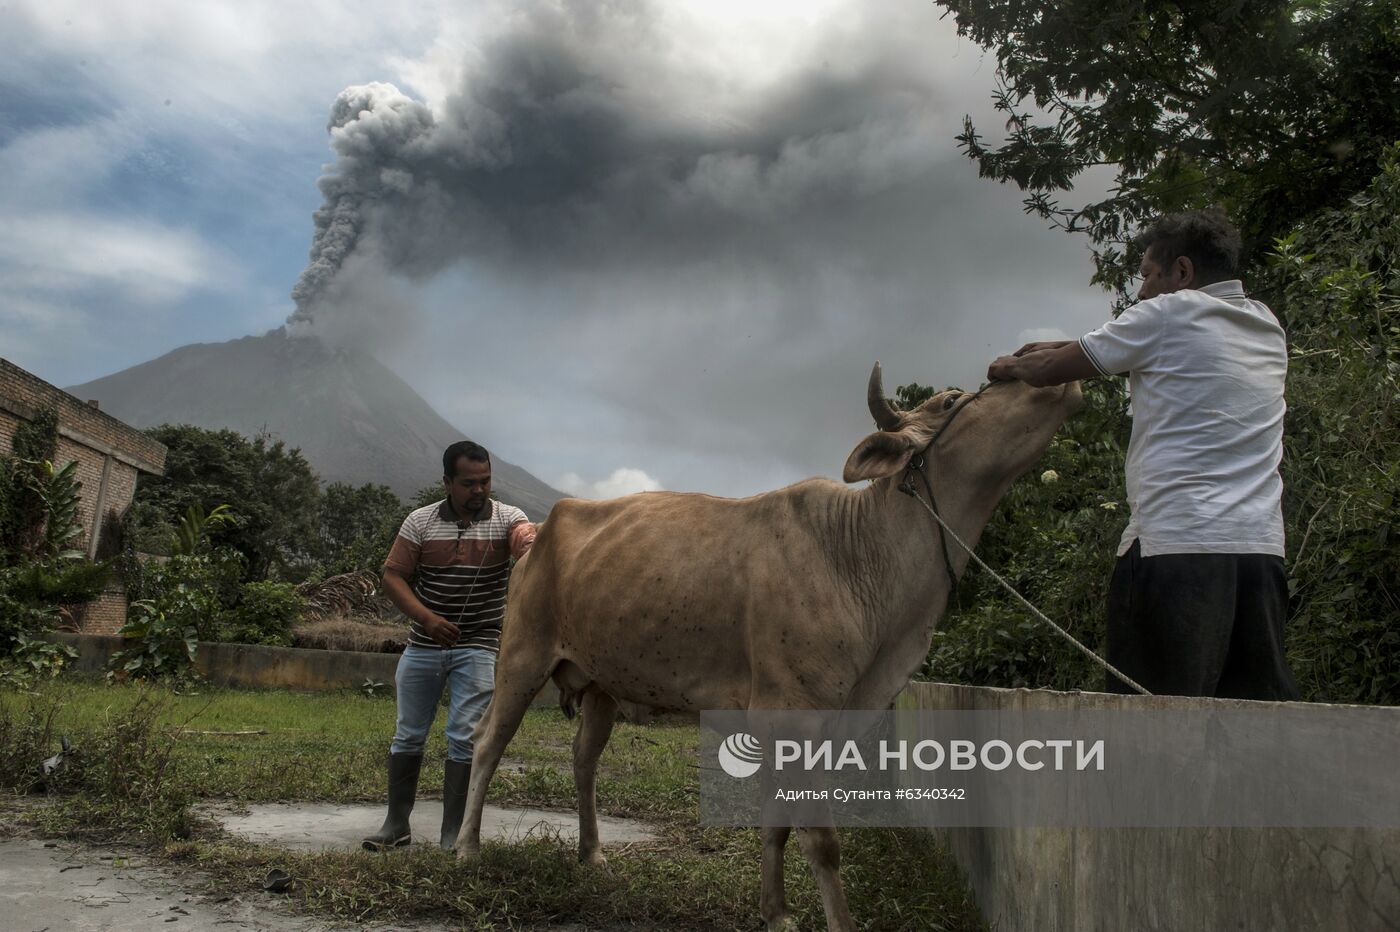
x,y
469,673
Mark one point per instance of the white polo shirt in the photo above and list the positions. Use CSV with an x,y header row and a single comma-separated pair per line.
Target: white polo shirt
x,y
1206,371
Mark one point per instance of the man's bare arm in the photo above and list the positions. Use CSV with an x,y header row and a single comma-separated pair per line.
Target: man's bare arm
x,y
434,625
1061,363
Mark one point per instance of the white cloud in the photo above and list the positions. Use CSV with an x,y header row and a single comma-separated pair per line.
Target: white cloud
x,y
1040,335
623,481
146,263
50,163
257,61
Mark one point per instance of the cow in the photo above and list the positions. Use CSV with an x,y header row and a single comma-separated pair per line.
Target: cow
x,y
814,596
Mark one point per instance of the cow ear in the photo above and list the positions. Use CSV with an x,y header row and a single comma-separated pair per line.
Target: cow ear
x,y
883,453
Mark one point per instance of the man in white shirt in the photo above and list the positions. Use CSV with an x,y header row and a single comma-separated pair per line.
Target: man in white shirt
x,y
1199,596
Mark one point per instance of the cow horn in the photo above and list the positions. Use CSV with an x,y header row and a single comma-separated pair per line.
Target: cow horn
x,y
886,418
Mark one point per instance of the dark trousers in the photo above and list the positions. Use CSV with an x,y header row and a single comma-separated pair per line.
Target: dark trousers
x,y
1200,624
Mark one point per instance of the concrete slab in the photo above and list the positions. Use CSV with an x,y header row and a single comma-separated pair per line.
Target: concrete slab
x,y
60,887
48,886
319,826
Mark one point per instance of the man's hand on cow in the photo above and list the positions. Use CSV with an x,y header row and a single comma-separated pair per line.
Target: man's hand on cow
x,y
1042,345
440,630
1004,369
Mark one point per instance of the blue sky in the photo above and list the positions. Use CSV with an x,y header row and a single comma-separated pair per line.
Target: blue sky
x,y
158,169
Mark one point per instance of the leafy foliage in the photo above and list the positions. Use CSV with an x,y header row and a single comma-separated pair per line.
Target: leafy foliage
x,y
1285,115
184,599
1338,276
1337,283
274,489
54,582
39,523
38,501
428,495
264,614
908,397
263,500
192,535
1273,110
195,589
163,643
356,528
35,658
22,513
175,603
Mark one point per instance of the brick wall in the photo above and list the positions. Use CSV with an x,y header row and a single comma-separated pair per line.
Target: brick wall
x,y
22,393
103,615
103,447
8,423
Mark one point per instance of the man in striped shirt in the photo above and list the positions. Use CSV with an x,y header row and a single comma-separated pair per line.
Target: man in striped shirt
x,y
447,571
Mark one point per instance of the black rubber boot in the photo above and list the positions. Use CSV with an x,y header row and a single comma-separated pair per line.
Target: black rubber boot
x,y
456,778
403,789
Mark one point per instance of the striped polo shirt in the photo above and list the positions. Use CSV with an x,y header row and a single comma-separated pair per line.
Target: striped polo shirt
x,y
459,569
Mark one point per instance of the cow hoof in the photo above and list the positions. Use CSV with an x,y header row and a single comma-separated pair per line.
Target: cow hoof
x,y
593,859
466,852
783,923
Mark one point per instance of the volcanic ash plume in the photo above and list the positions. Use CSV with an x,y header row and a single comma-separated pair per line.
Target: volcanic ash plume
x,y
375,130
583,138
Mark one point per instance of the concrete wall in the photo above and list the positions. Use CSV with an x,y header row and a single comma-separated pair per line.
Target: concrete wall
x,y
1077,879
253,666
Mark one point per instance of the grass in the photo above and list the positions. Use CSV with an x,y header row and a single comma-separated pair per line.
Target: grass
x,y
331,746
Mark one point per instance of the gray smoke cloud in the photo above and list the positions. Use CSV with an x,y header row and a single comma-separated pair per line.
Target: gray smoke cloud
x,y
582,138
635,246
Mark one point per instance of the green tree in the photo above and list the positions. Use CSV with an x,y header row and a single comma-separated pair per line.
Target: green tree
x,y
191,535
428,495
1338,278
1285,115
273,491
1274,110
909,397
356,527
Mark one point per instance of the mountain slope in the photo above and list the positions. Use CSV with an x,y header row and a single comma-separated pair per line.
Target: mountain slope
x,y
354,420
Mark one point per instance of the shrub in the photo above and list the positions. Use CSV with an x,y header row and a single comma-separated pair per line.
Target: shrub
x,y
1337,280
161,644
264,614
39,569
194,591
36,658
121,776
31,593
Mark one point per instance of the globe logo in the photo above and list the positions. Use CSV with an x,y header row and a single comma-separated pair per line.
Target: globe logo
x,y
740,755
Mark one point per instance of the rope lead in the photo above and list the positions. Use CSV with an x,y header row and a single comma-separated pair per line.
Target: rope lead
x,y
1022,599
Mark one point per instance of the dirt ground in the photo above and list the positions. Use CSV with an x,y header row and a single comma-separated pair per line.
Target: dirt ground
x,y
62,886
